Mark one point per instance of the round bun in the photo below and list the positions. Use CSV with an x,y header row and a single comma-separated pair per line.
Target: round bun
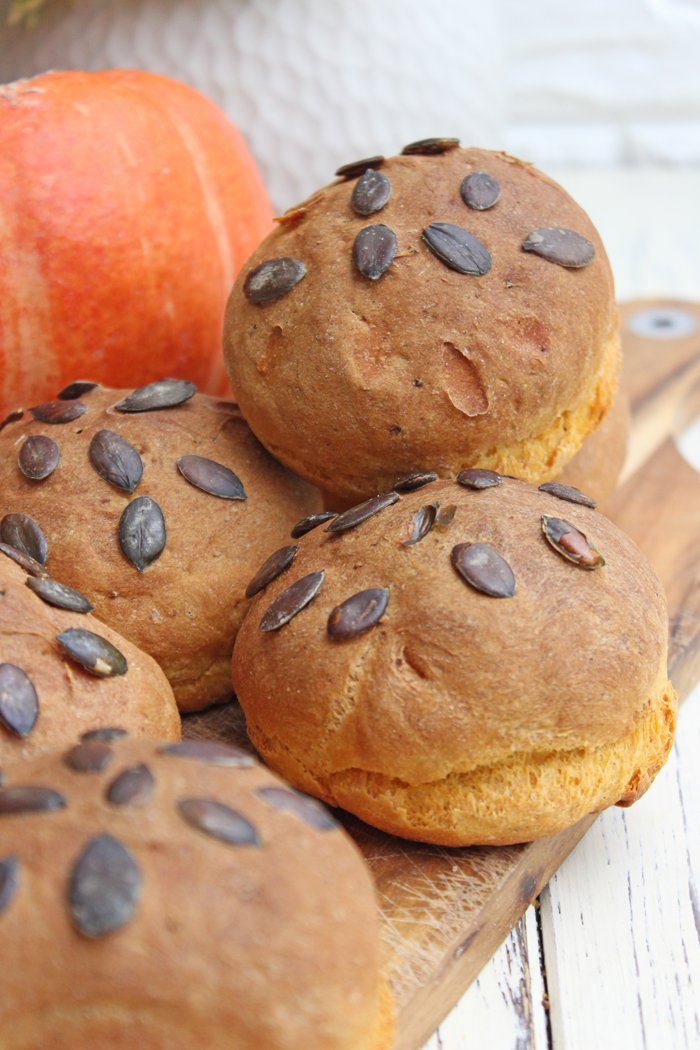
x,y
184,605
597,465
47,697
352,381
456,716
171,898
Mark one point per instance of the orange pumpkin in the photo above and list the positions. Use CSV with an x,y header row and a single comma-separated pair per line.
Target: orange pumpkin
x,y
128,203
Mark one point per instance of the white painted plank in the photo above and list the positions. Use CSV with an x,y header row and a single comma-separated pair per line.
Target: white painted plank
x,y
620,919
503,1009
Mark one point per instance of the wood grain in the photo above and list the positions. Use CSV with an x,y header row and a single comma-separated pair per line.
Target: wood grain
x,y
446,911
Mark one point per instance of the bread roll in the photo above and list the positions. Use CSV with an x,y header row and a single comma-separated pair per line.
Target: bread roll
x,y
427,332
447,673
63,673
159,511
167,897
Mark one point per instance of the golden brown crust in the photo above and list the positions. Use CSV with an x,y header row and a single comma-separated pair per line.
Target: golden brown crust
x,y
597,465
272,947
72,701
353,381
451,680
186,607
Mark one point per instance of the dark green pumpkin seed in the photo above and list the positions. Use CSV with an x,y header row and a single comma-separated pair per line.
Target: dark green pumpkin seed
x,y
133,787
430,147
219,821
480,191
91,756
371,193
19,704
38,457
115,460
14,800
91,651
307,809
273,278
22,532
142,532
457,248
349,519
311,522
484,569
291,601
164,393
568,493
476,478
357,167
76,389
271,568
104,887
559,245
211,752
211,477
358,613
58,411
374,250
59,595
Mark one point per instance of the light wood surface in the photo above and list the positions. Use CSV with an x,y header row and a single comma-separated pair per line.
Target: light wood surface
x,y
446,911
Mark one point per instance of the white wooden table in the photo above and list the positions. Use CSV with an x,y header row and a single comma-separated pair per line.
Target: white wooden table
x,y
609,959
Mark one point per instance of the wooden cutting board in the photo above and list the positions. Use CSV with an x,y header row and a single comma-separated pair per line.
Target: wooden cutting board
x,y
445,911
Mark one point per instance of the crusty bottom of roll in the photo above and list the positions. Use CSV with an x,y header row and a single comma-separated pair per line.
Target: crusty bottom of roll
x,y
115,1026
525,797
535,459
596,467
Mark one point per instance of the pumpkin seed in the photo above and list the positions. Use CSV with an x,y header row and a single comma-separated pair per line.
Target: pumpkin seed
x,y
307,809
374,250
273,567
477,479
559,245
19,704
38,457
133,787
568,493
421,523
357,167
357,614
22,532
115,460
480,191
91,651
76,389
445,515
12,417
59,595
15,800
107,734
164,393
142,532
457,248
104,887
571,543
429,147
371,193
209,751
220,821
9,878
92,756
273,278
356,515
30,565
291,601
415,480
58,411
311,522
484,569
211,477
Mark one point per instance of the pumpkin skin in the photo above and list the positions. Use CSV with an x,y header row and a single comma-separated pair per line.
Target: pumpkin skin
x,y
128,203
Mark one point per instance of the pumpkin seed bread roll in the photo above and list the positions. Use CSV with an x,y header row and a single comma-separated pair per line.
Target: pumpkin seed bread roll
x,y
471,662
167,897
158,504
446,308
63,673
